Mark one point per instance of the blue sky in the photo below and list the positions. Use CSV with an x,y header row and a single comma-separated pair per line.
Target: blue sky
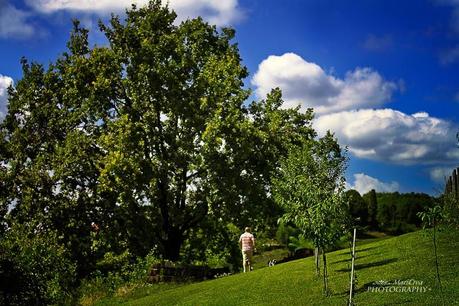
x,y
382,75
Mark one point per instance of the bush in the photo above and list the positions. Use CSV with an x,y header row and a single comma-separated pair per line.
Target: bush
x,y
401,228
215,244
284,232
125,272
299,243
35,269
112,262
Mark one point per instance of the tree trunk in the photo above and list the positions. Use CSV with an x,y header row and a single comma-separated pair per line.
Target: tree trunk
x,y
172,245
317,260
172,238
324,257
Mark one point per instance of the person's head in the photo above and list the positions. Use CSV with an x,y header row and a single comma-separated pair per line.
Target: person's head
x,y
247,229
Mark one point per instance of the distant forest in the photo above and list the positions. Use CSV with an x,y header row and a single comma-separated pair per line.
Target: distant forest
x,y
393,212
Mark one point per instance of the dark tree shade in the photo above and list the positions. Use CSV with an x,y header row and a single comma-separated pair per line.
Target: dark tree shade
x,y
357,207
372,209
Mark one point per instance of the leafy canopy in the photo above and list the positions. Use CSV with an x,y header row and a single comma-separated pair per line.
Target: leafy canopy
x,y
149,137
310,187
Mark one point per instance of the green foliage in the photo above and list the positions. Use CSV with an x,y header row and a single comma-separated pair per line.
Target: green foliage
x,y
148,136
372,209
114,262
357,207
310,189
433,217
124,271
35,268
213,244
384,214
398,213
443,213
299,243
284,232
450,209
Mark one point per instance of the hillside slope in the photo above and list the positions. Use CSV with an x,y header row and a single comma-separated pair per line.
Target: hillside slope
x,y
404,258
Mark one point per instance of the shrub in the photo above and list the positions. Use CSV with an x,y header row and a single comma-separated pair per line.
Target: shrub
x,y
112,262
299,243
214,244
125,272
284,232
35,268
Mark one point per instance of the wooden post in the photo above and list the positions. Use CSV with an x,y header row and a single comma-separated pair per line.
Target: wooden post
x,y
352,268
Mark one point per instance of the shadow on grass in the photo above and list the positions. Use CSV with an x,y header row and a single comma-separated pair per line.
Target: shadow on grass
x,y
362,289
365,249
369,265
346,252
366,235
349,259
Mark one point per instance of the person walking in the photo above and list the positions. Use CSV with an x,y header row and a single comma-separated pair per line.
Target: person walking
x,y
247,244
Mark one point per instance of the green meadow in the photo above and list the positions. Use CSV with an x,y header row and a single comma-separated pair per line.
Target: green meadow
x,y
405,261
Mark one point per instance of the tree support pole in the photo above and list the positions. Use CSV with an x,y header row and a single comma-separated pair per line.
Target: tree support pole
x,y
352,268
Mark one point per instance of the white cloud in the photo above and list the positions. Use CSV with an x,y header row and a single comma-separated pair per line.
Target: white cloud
x,y
307,84
13,22
5,82
220,12
364,183
440,174
392,136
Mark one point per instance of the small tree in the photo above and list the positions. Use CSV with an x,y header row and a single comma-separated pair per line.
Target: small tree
x,y
433,217
310,187
444,214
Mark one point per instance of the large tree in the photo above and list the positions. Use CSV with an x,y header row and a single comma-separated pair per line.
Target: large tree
x,y
146,136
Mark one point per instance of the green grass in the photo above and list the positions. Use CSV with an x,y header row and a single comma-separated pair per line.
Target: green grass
x,y
261,260
294,283
372,237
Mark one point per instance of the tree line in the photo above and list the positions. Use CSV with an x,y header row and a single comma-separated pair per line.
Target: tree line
x,y
391,212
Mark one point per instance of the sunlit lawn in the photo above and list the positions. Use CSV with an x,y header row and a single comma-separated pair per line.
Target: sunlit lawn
x,y
294,283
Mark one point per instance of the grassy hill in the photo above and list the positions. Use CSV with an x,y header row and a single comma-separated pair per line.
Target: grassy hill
x,y
407,257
